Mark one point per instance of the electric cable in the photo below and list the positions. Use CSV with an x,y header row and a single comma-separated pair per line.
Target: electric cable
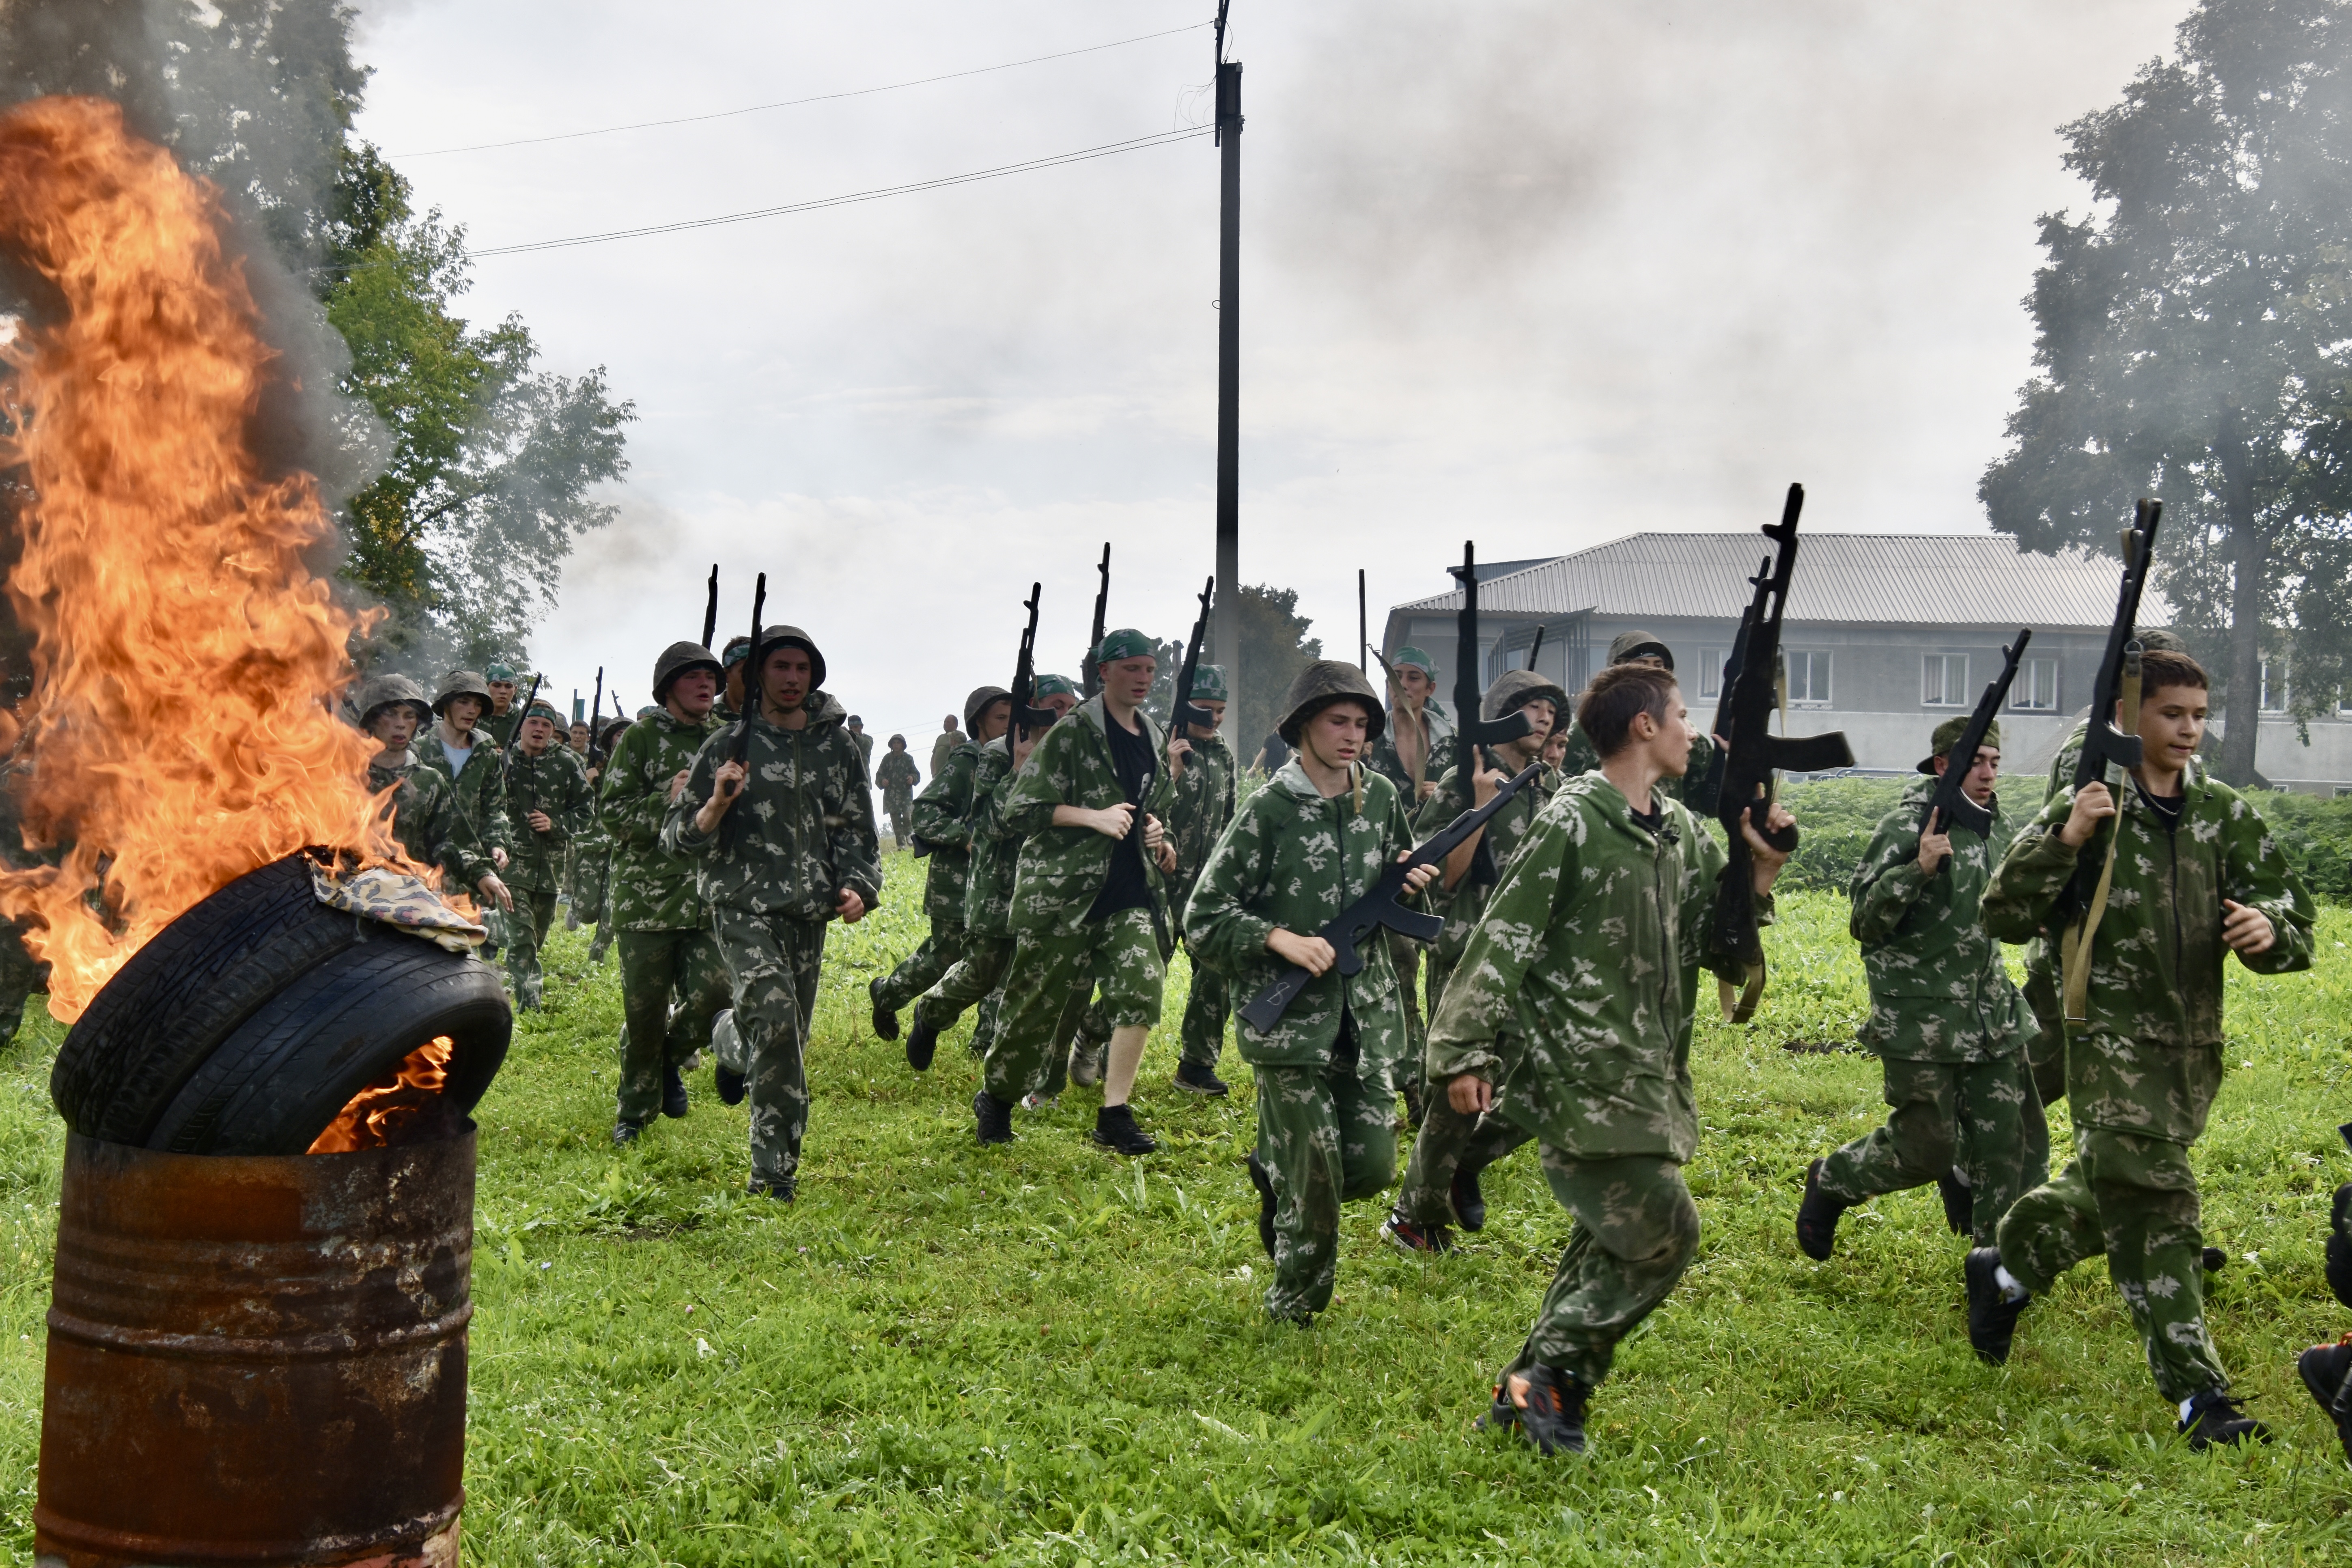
x,y
795,102
1083,156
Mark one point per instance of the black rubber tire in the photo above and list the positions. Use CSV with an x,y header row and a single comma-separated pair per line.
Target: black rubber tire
x,y
158,1020
274,1085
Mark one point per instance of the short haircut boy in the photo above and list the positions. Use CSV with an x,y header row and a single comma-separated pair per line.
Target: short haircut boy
x,y
1616,694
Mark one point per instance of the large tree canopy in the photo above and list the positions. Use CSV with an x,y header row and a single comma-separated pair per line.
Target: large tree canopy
x,y
2194,340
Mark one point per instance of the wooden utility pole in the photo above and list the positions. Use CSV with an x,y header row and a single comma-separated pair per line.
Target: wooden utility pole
x,y
1363,629
1229,367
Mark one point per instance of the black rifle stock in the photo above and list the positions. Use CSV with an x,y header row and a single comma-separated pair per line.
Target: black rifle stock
x,y
1378,907
1027,716
1090,678
1472,732
2105,743
595,718
710,609
1950,806
740,749
1182,715
1753,756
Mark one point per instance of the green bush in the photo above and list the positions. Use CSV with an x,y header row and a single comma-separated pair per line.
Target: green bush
x,y
2315,832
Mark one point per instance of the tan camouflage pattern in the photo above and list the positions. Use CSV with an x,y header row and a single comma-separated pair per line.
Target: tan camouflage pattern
x,y
398,900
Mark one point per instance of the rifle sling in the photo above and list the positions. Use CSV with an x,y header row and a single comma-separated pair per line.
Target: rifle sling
x,y
2075,947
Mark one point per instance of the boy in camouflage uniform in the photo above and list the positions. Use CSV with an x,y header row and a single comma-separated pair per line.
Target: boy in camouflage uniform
x,y
432,831
1947,1025
864,742
456,746
499,723
1321,833
595,851
1570,1013
548,801
1086,907
898,777
782,846
1441,1181
1415,740
1201,769
943,827
673,980
978,976
2195,875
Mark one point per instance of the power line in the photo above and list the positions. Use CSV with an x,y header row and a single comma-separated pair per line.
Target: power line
x,y
1082,155
795,102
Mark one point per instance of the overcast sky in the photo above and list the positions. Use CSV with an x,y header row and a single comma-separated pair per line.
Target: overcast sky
x,y
1539,272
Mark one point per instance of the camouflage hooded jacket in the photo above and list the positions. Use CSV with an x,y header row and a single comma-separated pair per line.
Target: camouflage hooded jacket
x,y
479,788
995,850
2149,1059
1200,802
897,777
1505,832
801,830
1294,859
426,821
556,783
943,823
1589,954
1063,869
652,889
1938,991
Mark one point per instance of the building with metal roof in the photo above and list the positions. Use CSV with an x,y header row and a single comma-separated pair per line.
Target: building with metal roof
x,y
1886,636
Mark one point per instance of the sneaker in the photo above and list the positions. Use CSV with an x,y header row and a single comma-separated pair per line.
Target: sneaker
x,y
1553,1417
1993,1321
885,1019
1959,1203
1423,1240
1263,1180
625,1133
1501,1413
2214,1419
2326,1370
1197,1079
1087,1064
1469,1203
922,1044
2215,1260
729,1083
780,1189
1116,1131
673,1092
1817,1217
995,1118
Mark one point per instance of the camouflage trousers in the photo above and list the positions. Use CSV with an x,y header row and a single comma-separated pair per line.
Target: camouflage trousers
x,y
923,968
2134,1199
1976,1117
1208,1004
592,875
1049,975
672,984
1449,1141
2047,1049
1405,954
1636,1231
534,912
902,819
1326,1138
973,980
773,964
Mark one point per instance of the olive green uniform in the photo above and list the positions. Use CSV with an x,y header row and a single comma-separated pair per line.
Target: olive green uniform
x,y
897,777
943,821
1200,804
554,783
987,908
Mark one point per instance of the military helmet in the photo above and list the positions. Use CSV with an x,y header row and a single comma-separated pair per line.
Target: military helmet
x,y
2158,639
384,690
1319,685
1514,689
777,637
1626,647
978,703
675,660
1948,735
461,683
1209,684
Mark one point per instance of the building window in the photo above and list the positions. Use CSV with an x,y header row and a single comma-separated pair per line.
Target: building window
x,y
2274,686
1710,673
1944,680
2035,689
1808,678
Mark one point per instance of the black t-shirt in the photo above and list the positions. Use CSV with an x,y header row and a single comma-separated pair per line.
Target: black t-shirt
x,y
1649,821
2167,808
1131,760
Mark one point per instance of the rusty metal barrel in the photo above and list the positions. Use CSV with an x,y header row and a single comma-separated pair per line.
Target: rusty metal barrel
x,y
257,1360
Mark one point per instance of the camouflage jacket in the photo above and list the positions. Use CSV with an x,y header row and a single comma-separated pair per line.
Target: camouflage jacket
x,y
1199,804
802,830
995,850
500,727
864,741
943,823
479,788
1938,991
1294,859
1063,869
652,889
1589,955
426,821
897,777
1505,832
1390,765
2149,1059
554,782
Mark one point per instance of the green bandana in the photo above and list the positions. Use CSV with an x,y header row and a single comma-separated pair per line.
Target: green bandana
x,y
1055,685
1416,658
1126,643
1209,684
500,672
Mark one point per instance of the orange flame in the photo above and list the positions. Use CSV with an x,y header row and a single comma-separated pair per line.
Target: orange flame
x,y
180,728
376,1114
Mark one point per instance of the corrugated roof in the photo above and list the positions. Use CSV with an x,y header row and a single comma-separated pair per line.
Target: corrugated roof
x,y
1935,579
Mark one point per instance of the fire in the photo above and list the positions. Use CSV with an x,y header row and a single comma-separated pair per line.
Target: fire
x,y
180,729
377,1114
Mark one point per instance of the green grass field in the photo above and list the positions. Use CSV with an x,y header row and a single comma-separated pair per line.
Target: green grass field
x,y
1041,1353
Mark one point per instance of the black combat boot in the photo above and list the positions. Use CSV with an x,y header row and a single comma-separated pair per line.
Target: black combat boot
x,y
777,1188
2339,1245
2214,1259
1959,1202
1817,1217
1193,1078
994,1116
1263,1181
674,1101
885,1019
2214,1419
2327,1372
729,1083
625,1133
1553,1417
1993,1321
922,1043
1469,1203
1116,1131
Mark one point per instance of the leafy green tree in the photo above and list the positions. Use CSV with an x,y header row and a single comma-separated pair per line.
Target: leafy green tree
x,y
1275,648
2191,343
